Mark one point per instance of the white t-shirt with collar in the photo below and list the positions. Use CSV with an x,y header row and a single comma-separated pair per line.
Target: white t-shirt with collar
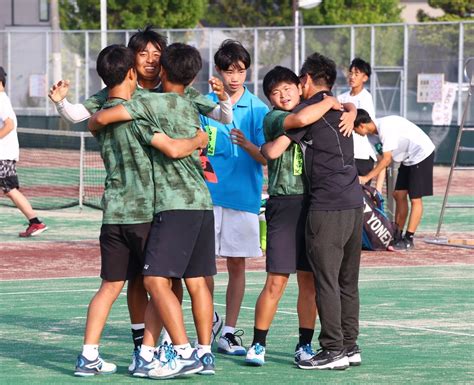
x,y
9,147
362,147
407,142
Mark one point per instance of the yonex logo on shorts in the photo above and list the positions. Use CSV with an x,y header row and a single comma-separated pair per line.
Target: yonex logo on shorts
x,y
146,267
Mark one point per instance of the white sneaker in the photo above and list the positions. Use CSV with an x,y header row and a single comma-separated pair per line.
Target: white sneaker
x,y
228,344
353,354
303,353
216,327
256,355
176,365
86,368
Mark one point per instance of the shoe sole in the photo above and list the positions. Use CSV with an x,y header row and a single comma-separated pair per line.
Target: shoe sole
x,y
209,372
337,365
237,353
83,374
191,371
254,362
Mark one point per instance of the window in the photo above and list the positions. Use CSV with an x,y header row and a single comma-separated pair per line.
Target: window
x,y
44,10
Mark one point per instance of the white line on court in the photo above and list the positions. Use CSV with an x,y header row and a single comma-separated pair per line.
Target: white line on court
x,y
370,323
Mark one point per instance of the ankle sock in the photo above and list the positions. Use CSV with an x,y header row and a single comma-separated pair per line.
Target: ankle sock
x,y
91,352
305,336
259,336
409,235
35,221
227,329
137,334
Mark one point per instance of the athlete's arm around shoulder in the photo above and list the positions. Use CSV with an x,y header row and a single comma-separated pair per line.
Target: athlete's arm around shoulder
x,y
74,113
108,116
179,148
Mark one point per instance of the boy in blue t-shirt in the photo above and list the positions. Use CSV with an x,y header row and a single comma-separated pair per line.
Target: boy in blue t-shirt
x,y
234,152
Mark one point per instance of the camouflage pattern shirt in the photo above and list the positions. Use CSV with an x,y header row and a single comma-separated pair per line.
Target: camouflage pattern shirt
x,y
285,174
129,192
179,183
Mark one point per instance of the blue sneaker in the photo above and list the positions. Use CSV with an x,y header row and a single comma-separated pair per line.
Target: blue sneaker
x,y
86,368
175,365
143,366
303,353
209,364
256,355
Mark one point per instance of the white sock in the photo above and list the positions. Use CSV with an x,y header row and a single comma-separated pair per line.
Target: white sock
x,y
184,350
165,337
203,349
227,329
138,326
91,352
147,352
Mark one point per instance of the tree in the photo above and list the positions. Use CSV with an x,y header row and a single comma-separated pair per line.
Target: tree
x,y
248,13
256,13
132,14
453,10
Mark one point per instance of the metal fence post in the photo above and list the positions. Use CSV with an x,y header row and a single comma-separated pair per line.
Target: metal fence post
x,y
255,58
460,71
81,169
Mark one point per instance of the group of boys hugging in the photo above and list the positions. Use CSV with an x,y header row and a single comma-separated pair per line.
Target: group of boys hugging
x,y
164,223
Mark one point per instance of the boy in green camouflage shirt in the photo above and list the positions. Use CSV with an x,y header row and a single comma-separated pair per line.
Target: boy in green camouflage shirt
x,y
182,202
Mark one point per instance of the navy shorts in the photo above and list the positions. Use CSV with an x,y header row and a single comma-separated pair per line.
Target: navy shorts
x,y
286,249
417,179
181,245
8,176
122,249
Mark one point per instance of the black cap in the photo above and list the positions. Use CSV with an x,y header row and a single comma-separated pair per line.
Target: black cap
x,y
3,76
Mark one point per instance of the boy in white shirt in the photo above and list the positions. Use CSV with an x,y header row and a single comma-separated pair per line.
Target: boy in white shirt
x,y
9,154
403,142
365,156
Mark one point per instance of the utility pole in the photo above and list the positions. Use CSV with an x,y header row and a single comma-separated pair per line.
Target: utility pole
x,y
56,41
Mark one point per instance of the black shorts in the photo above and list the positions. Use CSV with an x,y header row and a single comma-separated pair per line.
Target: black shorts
x,y
122,249
181,245
286,218
8,176
417,179
364,166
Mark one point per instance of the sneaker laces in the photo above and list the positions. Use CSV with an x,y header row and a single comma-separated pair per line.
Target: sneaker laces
x,y
231,337
308,349
258,348
170,356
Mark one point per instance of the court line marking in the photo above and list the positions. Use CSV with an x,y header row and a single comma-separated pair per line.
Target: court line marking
x,y
252,271
374,323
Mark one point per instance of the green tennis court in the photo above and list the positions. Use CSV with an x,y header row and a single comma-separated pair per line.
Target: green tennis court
x,y
416,327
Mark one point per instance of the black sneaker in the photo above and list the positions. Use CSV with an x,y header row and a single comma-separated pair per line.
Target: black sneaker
x,y
326,359
353,354
404,244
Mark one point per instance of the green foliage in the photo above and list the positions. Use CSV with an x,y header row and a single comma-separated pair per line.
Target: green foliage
x,y
248,13
454,10
131,14
332,12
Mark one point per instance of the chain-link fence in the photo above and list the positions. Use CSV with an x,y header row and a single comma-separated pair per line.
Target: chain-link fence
x,y
398,53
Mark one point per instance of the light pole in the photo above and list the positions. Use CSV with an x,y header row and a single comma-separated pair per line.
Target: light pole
x,y
297,4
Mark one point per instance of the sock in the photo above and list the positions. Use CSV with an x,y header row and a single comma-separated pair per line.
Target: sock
x,y
91,352
203,349
147,352
305,336
137,334
260,336
165,337
227,329
36,221
409,235
184,350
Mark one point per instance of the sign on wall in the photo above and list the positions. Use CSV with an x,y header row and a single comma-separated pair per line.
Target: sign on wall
x,y
430,88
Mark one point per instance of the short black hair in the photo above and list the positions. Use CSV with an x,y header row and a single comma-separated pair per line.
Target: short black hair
x,y
3,76
361,65
140,39
320,68
113,63
362,117
276,76
181,62
230,53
